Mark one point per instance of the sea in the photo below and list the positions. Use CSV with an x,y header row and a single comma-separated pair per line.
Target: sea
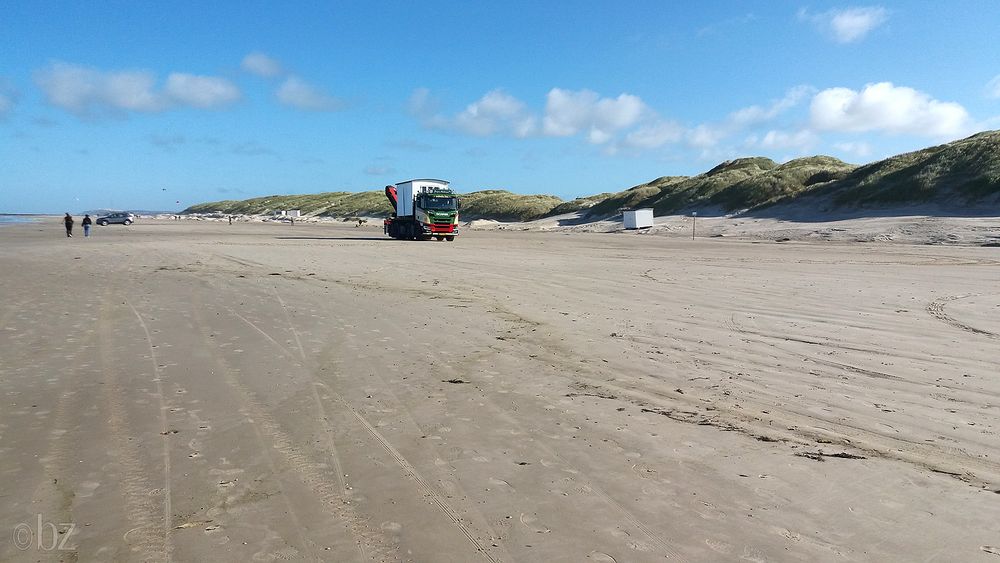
x,y
11,219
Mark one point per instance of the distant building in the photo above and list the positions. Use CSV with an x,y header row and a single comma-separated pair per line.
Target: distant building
x,y
637,218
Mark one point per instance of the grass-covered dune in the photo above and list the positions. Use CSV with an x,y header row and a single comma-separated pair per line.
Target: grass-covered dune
x,y
961,173
332,204
499,205
957,174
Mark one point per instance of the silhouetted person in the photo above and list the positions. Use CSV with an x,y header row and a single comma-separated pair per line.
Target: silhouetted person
x,y
86,225
68,220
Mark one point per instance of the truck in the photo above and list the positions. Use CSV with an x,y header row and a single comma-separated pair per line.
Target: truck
x,y
422,209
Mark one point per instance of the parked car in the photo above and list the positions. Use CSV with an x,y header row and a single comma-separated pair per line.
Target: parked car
x,y
121,218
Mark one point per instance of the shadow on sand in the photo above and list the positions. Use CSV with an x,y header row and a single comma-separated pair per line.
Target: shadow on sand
x,y
386,239
806,214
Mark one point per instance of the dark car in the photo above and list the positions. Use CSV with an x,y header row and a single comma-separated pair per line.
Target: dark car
x,y
121,218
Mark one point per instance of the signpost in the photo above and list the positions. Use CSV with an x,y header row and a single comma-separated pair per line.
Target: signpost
x,y
694,219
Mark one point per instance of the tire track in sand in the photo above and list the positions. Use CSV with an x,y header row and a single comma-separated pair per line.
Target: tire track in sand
x,y
936,309
265,439
150,534
56,489
164,431
335,497
425,487
512,420
331,446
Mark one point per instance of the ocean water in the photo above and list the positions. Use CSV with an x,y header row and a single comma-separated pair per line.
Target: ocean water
x,y
10,219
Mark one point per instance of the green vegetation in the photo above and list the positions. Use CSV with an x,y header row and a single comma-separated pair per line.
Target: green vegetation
x,y
332,204
780,182
633,198
697,191
964,172
501,205
578,204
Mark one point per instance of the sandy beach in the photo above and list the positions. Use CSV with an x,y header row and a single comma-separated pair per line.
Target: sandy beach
x,y
198,391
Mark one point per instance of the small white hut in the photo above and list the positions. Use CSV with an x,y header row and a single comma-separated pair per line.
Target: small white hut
x,y
637,218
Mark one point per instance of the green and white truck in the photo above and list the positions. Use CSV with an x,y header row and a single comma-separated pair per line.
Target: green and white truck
x,y
424,209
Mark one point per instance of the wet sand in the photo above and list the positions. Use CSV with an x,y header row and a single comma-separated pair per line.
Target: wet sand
x,y
198,391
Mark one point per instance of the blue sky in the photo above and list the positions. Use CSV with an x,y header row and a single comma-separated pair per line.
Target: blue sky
x,y
152,105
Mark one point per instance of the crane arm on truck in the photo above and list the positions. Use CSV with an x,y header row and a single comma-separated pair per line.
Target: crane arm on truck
x,y
390,194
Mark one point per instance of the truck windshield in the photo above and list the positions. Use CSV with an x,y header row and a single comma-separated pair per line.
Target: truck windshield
x,y
437,202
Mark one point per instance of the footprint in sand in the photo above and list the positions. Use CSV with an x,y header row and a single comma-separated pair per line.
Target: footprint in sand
x,y
601,556
711,512
87,488
532,524
632,544
502,485
644,471
754,555
719,546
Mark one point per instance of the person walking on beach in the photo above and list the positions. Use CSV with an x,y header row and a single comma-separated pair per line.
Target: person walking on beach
x,y
86,225
68,220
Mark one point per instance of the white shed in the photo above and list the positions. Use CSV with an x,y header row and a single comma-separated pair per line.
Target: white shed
x,y
638,218
293,213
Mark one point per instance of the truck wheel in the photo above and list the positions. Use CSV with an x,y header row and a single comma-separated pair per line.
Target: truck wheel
x,y
439,238
102,223
127,222
449,238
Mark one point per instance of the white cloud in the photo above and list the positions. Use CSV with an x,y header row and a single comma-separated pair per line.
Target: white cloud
x,y
297,93
859,148
261,65
167,142
496,112
251,148
708,135
848,25
82,90
568,113
8,97
799,141
654,135
379,170
993,88
755,114
201,91
886,108
421,104
86,91
705,135
647,136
